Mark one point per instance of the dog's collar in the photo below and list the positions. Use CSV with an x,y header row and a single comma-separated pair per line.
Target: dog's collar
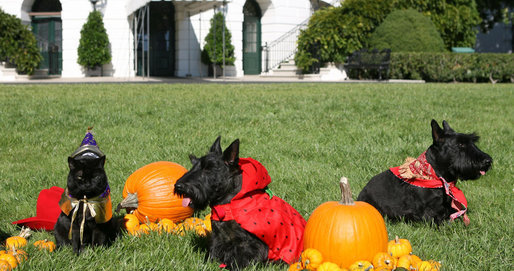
x,y
419,172
100,207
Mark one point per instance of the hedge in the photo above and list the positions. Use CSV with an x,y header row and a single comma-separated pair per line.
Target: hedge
x,y
452,67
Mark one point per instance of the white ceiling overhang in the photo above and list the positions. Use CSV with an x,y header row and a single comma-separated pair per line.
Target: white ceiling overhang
x,y
193,6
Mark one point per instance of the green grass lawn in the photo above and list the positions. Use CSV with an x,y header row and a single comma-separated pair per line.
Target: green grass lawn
x,y
307,135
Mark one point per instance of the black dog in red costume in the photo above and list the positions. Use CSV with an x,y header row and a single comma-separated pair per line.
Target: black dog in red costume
x,y
248,222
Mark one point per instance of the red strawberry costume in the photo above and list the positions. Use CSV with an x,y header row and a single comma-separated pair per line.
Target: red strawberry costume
x,y
268,217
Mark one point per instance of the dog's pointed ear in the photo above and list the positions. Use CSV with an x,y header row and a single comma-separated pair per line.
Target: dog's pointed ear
x,y
231,154
447,127
216,146
193,159
437,132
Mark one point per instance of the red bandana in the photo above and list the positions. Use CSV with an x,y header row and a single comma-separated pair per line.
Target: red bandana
x,y
268,217
420,173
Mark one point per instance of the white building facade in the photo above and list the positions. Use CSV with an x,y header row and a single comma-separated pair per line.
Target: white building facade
x,y
159,37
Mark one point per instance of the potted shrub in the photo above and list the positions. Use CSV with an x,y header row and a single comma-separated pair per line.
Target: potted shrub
x,y
18,46
212,53
94,49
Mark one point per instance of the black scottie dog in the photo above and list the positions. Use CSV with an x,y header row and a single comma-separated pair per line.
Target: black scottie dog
x,y
249,224
86,216
424,188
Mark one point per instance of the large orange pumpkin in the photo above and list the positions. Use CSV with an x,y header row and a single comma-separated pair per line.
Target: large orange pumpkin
x,y
148,192
346,231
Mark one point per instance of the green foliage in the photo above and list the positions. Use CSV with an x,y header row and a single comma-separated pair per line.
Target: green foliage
x,y
94,49
355,20
18,45
334,33
448,67
407,31
213,49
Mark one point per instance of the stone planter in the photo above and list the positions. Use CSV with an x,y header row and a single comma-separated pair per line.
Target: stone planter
x,y
94,72
333,72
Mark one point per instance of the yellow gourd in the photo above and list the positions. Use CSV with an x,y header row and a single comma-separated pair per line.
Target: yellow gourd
x,y
311,258
399,247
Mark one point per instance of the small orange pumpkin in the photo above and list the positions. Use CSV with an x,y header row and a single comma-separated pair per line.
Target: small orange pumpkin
x,y
297,266
45,244
19,254
166,225
5,266
149,193
399,247
361,266
404,262
328,266
414,261
436,266
424,266
346,231
10,259
19,240
131,221
382,259
311,258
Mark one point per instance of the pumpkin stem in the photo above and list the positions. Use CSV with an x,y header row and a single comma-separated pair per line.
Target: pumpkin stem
x,y
346,193
130,202
396,239
25,232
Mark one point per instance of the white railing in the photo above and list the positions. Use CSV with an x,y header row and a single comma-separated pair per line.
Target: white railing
x,y
282,48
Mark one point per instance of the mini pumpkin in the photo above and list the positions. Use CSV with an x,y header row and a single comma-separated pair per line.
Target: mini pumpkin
x,y
166,225
5,266
131,222
143,229
311,258
361,266
414,261
328,266
382,259
399,247
45,244
297,266
8,257
404,262
424,266
436,266
19,240
19,254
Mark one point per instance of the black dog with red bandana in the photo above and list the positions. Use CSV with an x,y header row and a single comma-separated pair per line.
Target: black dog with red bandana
x,y
423,189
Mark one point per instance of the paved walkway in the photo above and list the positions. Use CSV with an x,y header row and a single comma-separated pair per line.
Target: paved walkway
x,y
189,80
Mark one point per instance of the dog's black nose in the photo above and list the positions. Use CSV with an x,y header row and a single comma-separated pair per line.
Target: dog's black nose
x,y
488,162
178,186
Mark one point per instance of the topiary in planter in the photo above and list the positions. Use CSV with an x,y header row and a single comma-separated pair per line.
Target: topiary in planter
x,y
18,45
94,49
212,52
407,31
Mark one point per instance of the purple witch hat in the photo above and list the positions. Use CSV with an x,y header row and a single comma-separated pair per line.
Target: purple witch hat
x,y
88,146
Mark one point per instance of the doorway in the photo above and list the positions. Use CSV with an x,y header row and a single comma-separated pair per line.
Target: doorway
x,y
161,45
47,28
252,38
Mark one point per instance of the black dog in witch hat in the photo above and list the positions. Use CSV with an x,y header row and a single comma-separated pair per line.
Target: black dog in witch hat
x,y
249,224
86,217
424,188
